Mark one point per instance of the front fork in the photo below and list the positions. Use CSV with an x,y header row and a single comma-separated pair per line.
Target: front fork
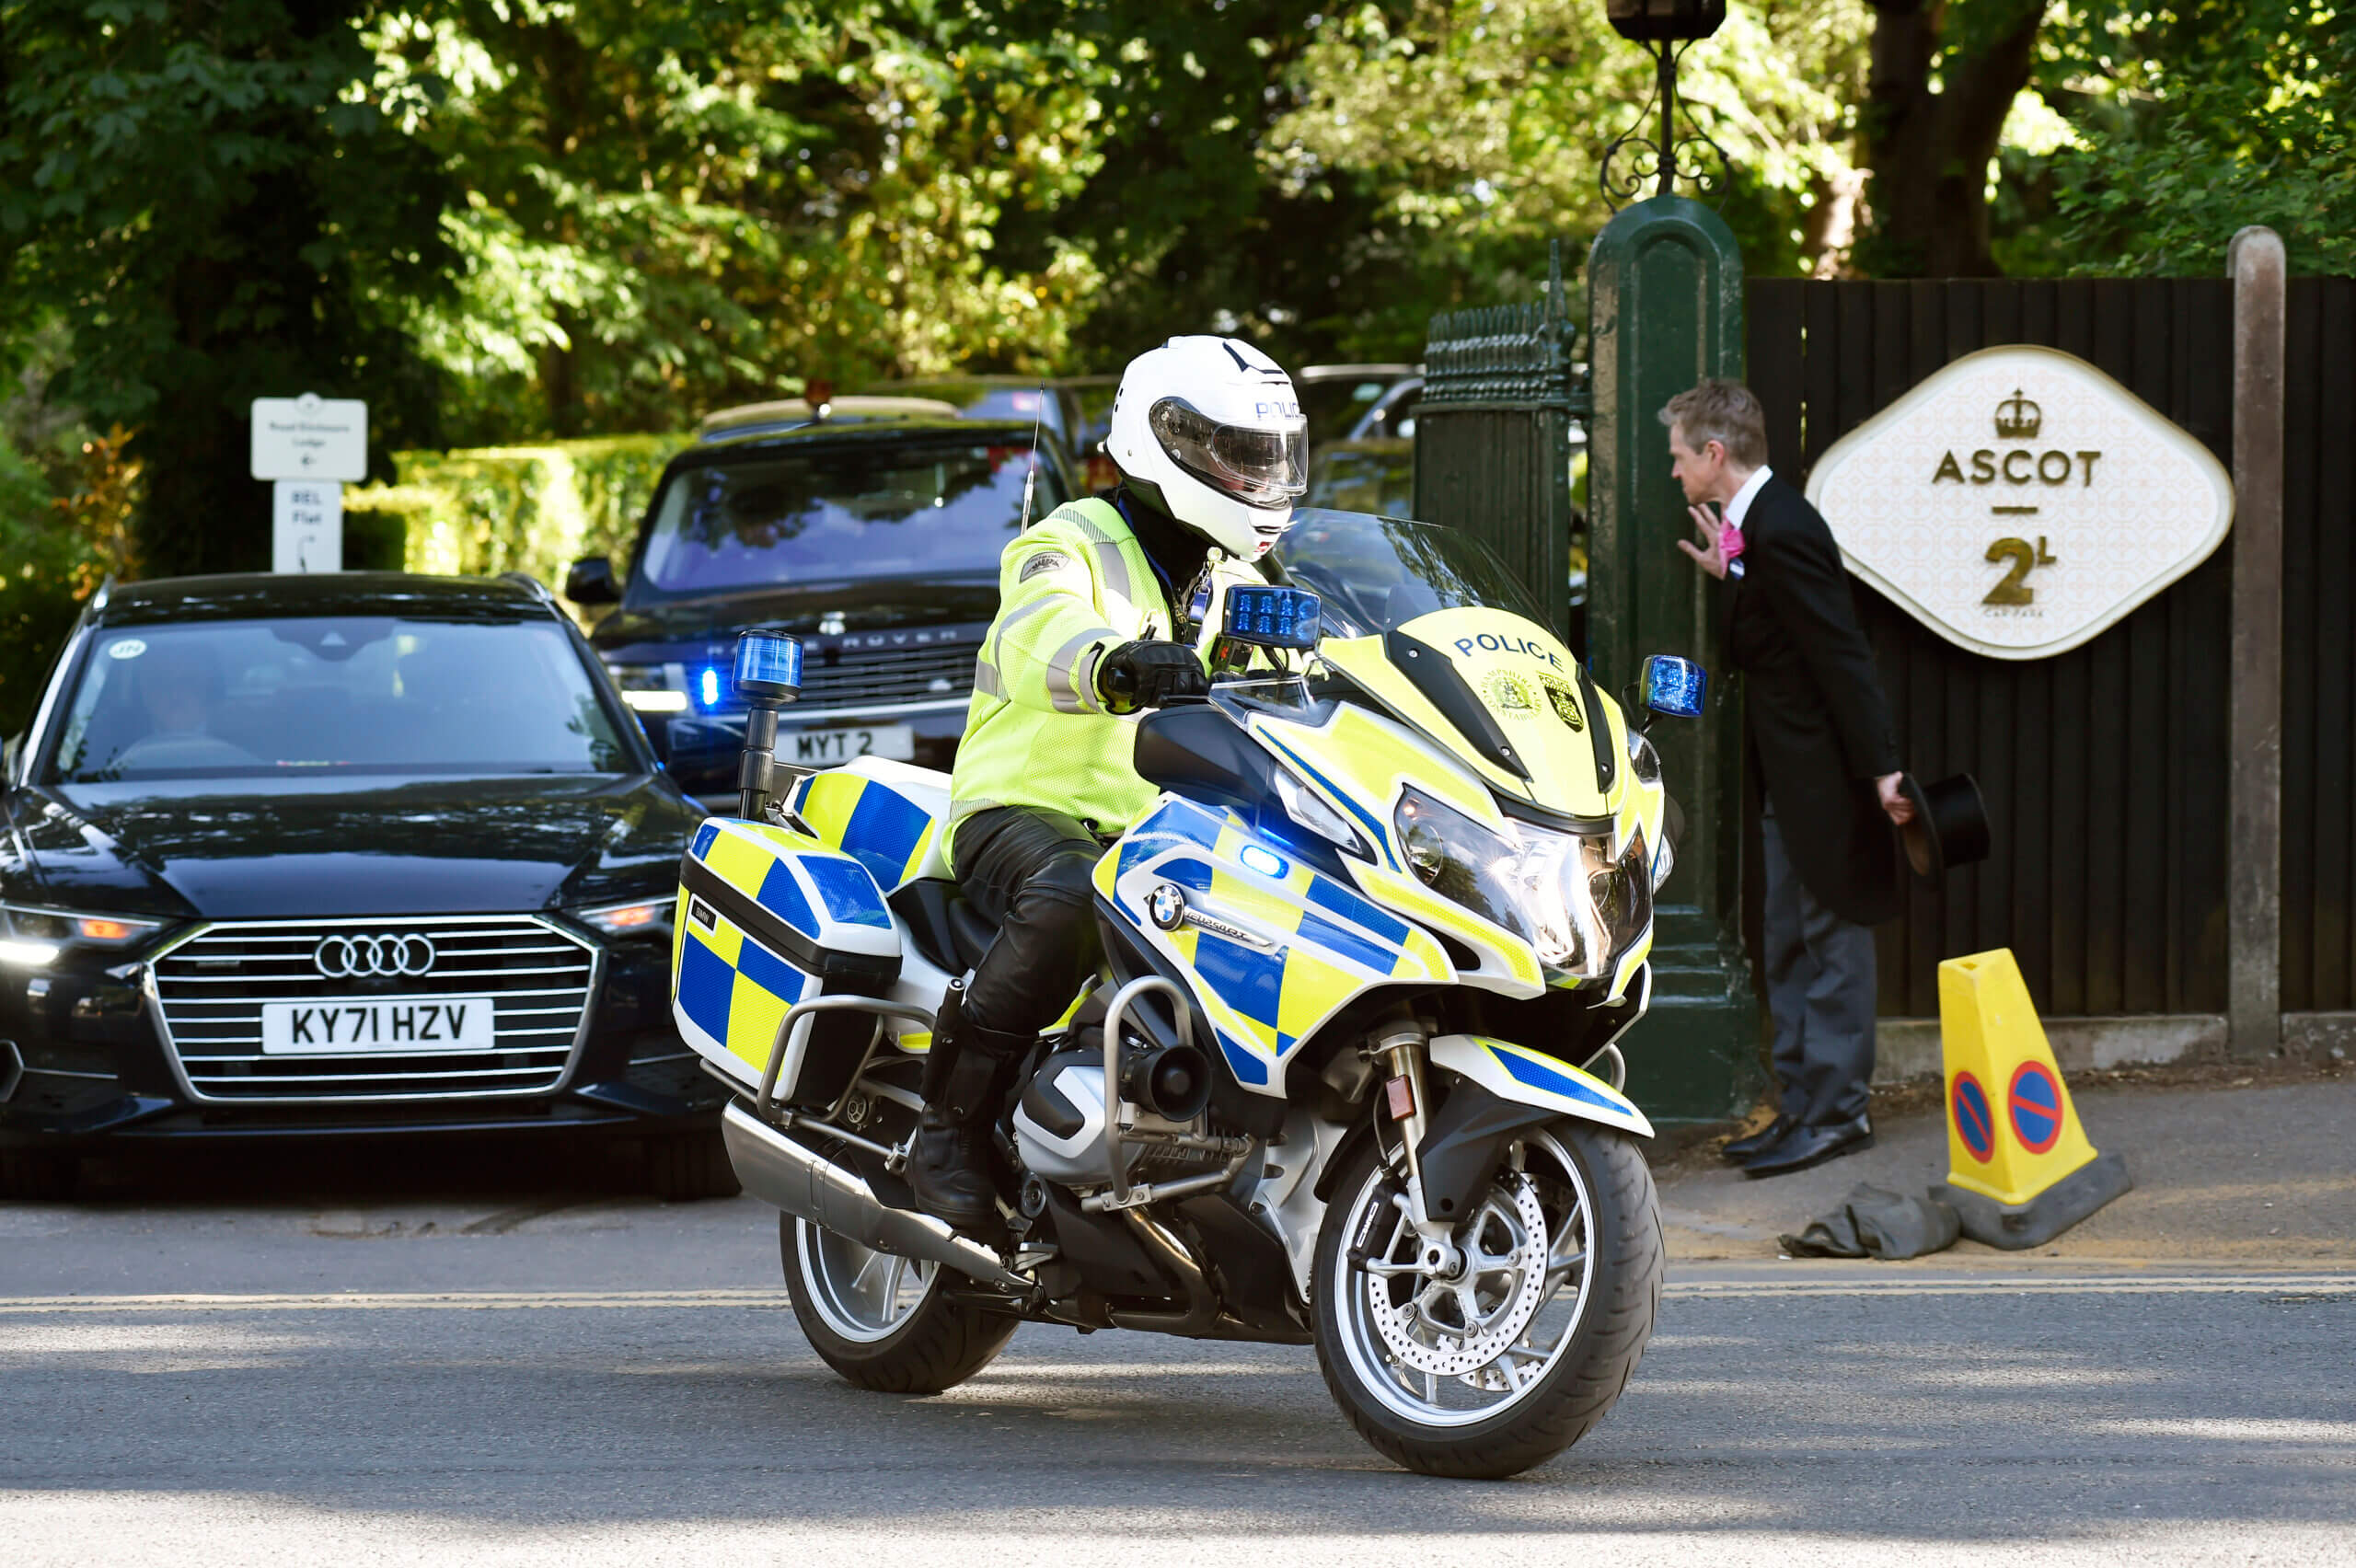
x,y
1406,1102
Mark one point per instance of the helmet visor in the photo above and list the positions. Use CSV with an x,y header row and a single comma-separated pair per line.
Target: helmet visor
x,y
1266,468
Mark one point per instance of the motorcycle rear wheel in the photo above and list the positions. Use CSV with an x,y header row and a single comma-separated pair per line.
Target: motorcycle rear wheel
x,y
1505,1365
880,1321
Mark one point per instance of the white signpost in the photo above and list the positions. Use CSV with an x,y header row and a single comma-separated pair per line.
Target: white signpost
x,y
2019,502
310,446
307,526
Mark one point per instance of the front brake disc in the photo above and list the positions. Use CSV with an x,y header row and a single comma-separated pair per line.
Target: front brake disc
x,y
1451,1327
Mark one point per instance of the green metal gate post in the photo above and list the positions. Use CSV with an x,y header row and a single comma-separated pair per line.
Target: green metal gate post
x,y
1665,310
1493,436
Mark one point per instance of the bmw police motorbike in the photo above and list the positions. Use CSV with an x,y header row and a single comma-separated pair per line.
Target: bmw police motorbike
x,y
1350,1077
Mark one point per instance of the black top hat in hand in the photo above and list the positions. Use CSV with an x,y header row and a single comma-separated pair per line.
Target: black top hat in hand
x,y
1950,826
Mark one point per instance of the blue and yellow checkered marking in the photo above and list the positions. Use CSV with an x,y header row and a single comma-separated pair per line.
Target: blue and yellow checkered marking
x,y
731,993
1328,944
847,891
871,822
783,896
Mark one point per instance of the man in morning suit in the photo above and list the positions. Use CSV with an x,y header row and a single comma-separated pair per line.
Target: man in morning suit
x,y
1820,738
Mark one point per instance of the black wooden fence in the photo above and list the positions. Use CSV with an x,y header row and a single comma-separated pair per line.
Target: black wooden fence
x,y
2320,647
2104,768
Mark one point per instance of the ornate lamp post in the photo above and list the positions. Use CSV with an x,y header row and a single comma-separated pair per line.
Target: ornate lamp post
x,y
1664,310
1663,30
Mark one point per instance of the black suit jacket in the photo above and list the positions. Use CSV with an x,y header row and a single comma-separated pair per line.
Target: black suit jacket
x,y
1817,723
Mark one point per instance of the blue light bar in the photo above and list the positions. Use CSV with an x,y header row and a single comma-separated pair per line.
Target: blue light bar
x,y
708,688
1274,617
1675,687
768,668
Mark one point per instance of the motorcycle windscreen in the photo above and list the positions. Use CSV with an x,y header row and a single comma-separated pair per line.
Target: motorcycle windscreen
x,y
1430,621
1515,701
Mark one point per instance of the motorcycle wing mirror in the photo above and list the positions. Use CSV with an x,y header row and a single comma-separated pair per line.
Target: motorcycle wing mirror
x,y
590,581
1677,688
1274,617
768,675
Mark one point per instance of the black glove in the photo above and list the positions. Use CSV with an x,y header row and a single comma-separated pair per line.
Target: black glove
x,y
1146,674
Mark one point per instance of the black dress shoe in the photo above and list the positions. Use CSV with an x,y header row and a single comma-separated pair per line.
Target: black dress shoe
x,y
1806,1146
1767,1137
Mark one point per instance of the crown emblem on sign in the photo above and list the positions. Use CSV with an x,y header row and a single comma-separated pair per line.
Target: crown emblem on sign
x,y
2017,419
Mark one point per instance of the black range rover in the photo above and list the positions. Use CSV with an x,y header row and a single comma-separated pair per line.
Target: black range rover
x,y
359,853
876,542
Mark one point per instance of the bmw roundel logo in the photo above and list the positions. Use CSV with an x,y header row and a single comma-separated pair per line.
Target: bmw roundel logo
x,y
1166,907
362,958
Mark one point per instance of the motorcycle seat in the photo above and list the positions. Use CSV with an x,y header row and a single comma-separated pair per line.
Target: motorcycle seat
x,y
948,932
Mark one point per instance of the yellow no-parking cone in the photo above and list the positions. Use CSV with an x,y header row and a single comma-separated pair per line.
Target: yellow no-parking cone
x,y
2020,1170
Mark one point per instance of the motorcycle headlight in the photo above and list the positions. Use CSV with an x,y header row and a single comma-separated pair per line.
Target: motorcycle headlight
x,y
1578,899
30,937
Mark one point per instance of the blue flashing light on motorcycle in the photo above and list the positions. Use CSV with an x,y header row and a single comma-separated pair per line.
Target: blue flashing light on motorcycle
x,y
768,675
1675,687
768,668
1274,617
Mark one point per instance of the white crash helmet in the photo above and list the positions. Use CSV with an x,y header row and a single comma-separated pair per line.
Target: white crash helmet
x,y
1213,427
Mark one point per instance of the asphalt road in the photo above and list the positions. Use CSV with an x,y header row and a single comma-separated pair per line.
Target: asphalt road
x,y
392,1373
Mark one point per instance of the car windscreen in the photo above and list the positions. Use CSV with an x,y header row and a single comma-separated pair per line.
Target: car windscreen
x,y
832,515
321,695
1375,573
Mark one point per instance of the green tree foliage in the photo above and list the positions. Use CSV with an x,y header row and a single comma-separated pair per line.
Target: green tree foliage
x,y
220,204
2195,118
1481,124
673,205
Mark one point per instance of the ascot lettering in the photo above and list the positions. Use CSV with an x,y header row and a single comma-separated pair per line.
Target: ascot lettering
x,y
2051,467
1490,643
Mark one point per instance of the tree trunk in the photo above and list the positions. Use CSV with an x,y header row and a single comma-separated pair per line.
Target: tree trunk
x,y
1929,150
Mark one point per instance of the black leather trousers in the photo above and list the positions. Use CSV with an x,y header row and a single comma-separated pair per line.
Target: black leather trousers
x,y
1028,870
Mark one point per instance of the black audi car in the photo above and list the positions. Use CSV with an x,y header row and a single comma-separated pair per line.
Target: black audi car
x,y
874,540
361,853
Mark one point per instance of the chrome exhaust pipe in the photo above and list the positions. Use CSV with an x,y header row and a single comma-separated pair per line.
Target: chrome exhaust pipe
x,y
785,1175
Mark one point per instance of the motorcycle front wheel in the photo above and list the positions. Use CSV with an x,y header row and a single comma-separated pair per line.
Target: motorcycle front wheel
x,y
1485,1363
882,1321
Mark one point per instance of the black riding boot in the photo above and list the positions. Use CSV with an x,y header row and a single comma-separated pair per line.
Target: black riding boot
x,y
965,1082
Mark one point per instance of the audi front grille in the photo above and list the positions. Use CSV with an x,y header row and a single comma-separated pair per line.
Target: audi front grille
x,y
214,990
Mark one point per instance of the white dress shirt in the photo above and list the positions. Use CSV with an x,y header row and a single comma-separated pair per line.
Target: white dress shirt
x,y
1737,508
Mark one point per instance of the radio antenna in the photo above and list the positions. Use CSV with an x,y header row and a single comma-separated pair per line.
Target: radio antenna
x,y
1031,474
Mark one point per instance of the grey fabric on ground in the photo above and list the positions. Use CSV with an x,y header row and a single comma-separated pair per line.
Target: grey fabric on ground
x,y
1875,1223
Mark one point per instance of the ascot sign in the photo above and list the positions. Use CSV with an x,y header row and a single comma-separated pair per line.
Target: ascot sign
x,y
2020,502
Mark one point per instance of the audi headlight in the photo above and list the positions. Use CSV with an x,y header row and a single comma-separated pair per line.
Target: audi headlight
x,y
650,688
30,937
635,919
1578,899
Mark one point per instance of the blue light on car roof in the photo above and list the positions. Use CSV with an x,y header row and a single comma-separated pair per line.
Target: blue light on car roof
x,y
708,691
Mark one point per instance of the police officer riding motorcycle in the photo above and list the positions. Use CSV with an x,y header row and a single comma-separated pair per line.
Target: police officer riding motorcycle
x,y
1096,621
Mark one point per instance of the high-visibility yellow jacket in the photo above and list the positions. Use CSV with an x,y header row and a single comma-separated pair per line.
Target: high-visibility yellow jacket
x,y
1071,589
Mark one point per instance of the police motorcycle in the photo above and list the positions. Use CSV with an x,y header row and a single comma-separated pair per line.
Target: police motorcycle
x,y
1351,1077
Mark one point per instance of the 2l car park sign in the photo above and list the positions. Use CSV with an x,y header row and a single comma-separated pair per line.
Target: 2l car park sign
x,y
2019,502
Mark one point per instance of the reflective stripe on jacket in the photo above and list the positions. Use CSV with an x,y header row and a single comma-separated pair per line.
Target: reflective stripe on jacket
x,y
1073,588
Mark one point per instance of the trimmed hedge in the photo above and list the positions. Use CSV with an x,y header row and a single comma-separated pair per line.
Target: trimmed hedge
x,y
532,509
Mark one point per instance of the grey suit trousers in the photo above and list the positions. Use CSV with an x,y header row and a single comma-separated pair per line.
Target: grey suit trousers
x,y
1821,989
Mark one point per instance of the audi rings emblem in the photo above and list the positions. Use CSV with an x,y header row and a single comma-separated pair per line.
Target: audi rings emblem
x,y
362,958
